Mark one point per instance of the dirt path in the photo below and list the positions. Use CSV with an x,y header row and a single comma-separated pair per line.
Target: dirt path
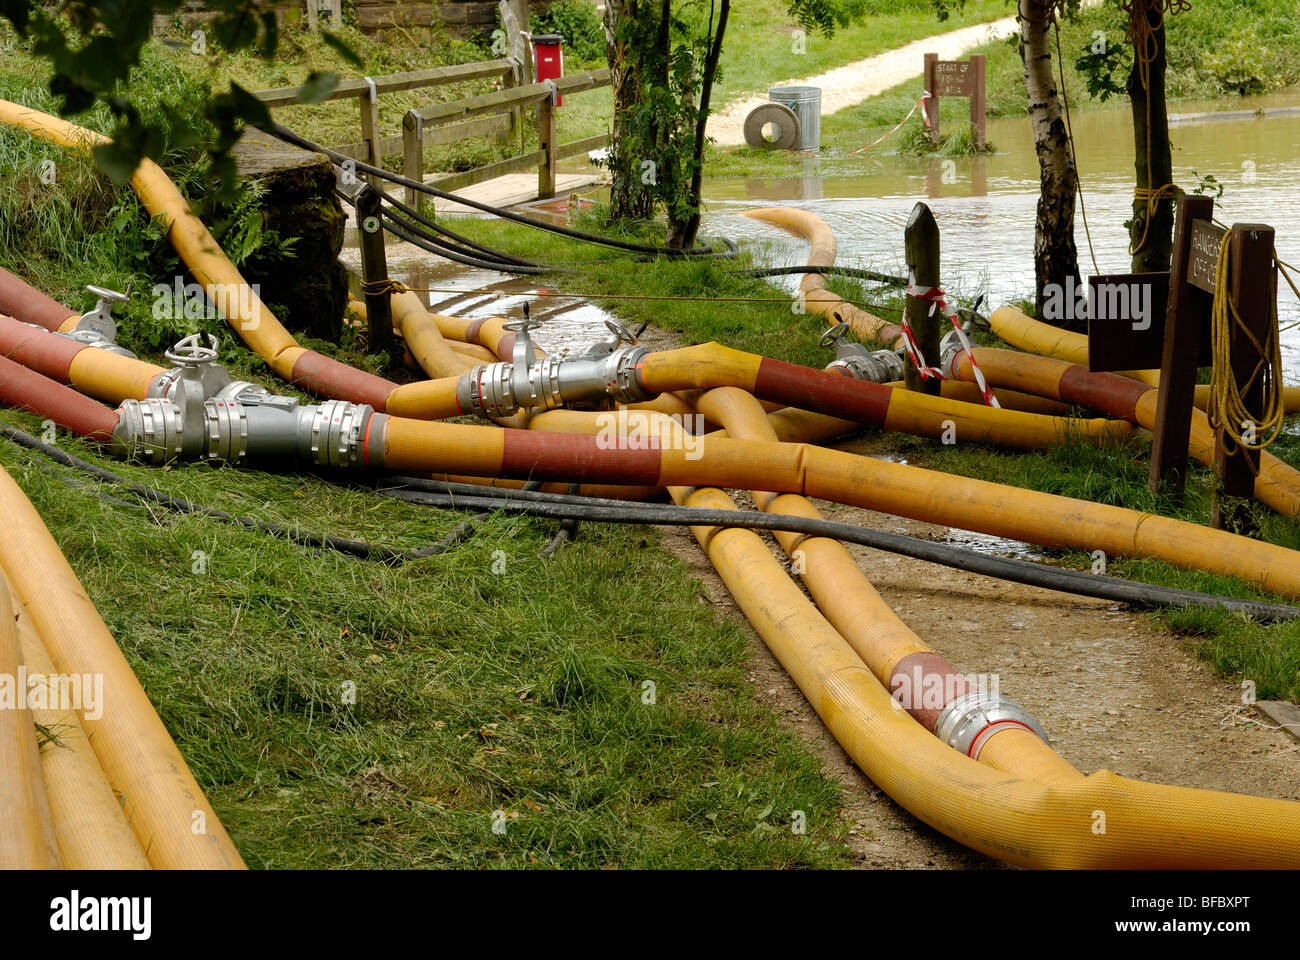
x,y
854,82
1113,690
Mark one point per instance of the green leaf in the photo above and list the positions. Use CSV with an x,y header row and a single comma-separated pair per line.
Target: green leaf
x,y
318,85
117,160
343,50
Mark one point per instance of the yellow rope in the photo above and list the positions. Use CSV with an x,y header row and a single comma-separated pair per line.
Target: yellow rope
x,y
387,285
1142,32
1226,407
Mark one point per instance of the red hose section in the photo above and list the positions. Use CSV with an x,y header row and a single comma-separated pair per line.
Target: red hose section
x,y
326,377
827,393
1112,394
471,332
20,299
530,454
48,354
27,390
914,680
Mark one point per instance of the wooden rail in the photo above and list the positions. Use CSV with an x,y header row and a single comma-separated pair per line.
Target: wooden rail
x,y
499,113
446,117
372,147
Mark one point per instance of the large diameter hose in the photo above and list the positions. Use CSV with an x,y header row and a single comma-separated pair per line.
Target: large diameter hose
x,y
19,299
166,807
1098,821
27,390
27,839
1049,520
89,824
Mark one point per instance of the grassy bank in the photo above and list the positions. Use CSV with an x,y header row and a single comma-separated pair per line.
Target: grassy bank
x,y
1217,48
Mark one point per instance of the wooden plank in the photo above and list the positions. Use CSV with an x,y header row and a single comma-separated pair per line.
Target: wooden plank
x,y
1250,272
483,103
1284,714
577,147
453,132
389,83
577,82
1126,320
489,170
1204,260
977,98
1187,321
369,107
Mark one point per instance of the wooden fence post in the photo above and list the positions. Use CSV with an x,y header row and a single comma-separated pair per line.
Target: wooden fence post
x,y
413,157
1251,286
921,248
1186,314
547,139
374,270
369,102
931,104
977,95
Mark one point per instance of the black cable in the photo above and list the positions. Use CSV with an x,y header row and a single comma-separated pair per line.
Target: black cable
x,y
356,548
467,496
389,220
492,254
568,528
284,133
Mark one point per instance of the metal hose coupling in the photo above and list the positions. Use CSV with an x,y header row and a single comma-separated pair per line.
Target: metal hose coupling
x,y
196,412
856,361
498,390
950,352
966,723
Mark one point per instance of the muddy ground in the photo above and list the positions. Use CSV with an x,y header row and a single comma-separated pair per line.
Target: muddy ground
x,y
1114,690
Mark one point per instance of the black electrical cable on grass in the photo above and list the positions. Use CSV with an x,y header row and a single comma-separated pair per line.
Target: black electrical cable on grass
x,y
355,548
284,133
392,226
453,496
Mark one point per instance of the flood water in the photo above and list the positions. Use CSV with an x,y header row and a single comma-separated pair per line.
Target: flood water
x,y
985,206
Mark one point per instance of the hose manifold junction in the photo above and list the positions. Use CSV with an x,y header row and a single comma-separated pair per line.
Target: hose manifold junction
x,y
968,721
498,390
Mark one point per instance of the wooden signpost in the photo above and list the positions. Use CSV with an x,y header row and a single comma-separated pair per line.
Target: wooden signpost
x,y
1187,323
955,78
1193,280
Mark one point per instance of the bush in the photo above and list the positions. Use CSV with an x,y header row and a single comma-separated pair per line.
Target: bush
x,y
579,24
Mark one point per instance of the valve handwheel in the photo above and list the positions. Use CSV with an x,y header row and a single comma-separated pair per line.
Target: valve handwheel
x,y
832,335
191,351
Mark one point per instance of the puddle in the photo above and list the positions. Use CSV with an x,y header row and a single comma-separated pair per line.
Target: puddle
x,y
993,546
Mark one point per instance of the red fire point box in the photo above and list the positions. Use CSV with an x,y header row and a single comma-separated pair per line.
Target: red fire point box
x,y
548,55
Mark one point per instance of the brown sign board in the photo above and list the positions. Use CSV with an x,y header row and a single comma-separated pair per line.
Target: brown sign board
x,y
953,78
1203,263
1126,322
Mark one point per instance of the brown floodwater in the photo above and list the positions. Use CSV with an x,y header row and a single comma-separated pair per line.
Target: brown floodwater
x,y
985,206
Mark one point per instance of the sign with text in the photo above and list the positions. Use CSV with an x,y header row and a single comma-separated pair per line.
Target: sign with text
x,y
1203,260
953,78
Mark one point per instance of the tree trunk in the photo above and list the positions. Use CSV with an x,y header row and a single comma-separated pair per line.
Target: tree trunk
x,y
682,233
1056,261
627,201
1157,248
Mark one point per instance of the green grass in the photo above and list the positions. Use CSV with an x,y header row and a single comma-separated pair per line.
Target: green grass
x,y
485,679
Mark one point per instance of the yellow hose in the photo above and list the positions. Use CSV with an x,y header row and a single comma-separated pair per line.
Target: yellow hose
x,y
166,808
89,824
27,840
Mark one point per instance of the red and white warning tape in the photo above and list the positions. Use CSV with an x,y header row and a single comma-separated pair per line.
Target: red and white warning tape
x,y
924,97
938,302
